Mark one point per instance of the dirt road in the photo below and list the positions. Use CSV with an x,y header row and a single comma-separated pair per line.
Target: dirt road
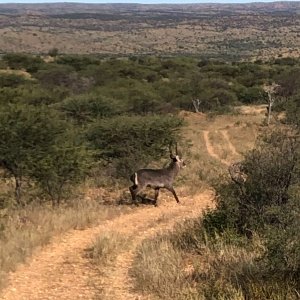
x,y
63,270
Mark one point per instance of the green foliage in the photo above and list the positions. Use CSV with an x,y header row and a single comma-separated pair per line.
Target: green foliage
x,y
11,80
35,144
64,164
293,110
143,99
283,242
23,61
289,81
26,134
97,95
266,204
130,142
32,94
271,171
250,95
84,108
78,62
63,76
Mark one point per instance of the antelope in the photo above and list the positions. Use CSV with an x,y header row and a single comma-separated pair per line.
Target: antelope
x,y
157,178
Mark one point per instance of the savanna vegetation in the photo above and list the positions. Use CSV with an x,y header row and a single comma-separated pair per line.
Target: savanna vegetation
x,y
77,121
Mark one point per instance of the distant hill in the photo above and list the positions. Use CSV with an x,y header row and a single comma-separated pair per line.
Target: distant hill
x,y
234,31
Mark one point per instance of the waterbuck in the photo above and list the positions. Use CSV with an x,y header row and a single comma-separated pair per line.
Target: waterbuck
x,y
157,178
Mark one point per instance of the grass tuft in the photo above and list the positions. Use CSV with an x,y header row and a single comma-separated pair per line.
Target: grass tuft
x,y
23,230
107,246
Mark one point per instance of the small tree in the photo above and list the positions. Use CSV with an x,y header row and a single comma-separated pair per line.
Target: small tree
x,y
26,134
63,165
130,142
196,104
270,90
53,52
258,199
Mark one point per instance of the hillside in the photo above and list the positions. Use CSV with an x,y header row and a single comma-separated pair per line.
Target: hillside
x,y
234,31
66,269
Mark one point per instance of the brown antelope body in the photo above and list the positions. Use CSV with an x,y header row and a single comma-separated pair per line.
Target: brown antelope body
x,y
157,178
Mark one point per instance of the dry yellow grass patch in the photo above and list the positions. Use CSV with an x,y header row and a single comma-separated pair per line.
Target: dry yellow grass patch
x,y
230,136
23,230
16,72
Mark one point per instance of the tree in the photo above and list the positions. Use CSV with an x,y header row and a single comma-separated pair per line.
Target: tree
x,y
270,171
64,164
129,142
11,80
270,90
53,52
17,61
86,107
26,134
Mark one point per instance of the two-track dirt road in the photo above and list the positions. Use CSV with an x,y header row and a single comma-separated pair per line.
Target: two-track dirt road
x,y
63,270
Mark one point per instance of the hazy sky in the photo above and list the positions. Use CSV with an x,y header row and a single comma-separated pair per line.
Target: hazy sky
x,y
137,1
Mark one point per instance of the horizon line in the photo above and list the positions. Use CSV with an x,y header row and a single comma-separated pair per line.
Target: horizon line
x,y
146,2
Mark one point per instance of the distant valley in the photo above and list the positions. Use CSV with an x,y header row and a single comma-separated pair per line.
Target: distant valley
x,y
229,31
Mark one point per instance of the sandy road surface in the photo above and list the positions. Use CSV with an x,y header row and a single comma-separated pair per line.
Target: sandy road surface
x,y
63,270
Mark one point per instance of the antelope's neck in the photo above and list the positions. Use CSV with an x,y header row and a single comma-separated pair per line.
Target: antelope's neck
x,y
173,169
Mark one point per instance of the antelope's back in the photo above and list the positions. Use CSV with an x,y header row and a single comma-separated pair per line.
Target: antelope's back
x,y
152,178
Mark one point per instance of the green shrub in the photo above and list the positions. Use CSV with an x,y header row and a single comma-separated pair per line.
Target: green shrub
x,y
86,107
18,61
64,164
11,80
26,134
36,144
130,142
271,171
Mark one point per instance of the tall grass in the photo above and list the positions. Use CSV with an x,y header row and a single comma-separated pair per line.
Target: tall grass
x,y
188,264
23,230
107,246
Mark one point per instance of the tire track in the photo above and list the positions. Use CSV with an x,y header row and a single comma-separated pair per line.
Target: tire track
x,y
63,270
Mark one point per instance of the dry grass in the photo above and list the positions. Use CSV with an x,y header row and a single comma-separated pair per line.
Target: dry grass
x,y
107,246
23,230
202,169
157,269
208,30
23,73
167,269
189,265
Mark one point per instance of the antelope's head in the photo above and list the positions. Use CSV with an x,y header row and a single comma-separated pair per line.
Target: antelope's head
x,y
177,158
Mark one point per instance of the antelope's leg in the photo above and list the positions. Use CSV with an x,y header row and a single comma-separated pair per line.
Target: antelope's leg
x,y
133,193
171,189
134,190
156,196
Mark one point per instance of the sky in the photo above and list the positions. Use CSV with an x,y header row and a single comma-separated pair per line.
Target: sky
x,y
138,1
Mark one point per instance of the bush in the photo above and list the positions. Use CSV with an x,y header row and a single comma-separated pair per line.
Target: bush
x,y
271,171
86,107
251,95
266,204
293,110
130,142
26,134
35,144
78,62
23,61
63,76
11,80
64,165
